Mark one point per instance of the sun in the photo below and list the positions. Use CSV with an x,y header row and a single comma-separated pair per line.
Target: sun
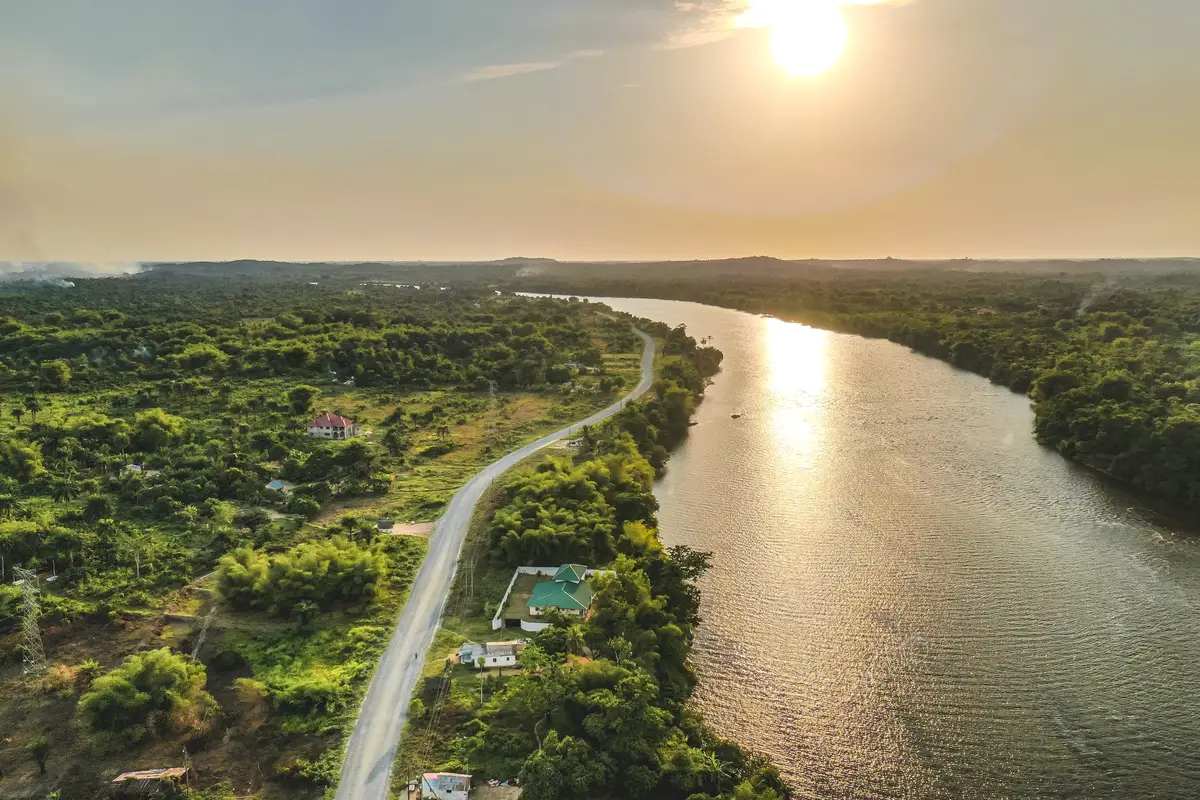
x,y
807,36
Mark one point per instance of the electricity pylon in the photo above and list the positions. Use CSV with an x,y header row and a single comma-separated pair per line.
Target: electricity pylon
x,y
31,633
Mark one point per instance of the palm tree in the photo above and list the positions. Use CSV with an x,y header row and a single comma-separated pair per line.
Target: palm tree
x,y
63,490
18,412
7,504
716,768
33,406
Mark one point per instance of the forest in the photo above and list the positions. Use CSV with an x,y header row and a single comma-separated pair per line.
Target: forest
x,y
212,579
1111,361
599,707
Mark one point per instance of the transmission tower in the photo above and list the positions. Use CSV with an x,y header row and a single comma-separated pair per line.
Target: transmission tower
x,y
31,634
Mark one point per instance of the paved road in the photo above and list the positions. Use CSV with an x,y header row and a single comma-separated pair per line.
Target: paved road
x,y
367,768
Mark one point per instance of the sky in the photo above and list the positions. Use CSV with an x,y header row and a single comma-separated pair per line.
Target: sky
x,y
594,129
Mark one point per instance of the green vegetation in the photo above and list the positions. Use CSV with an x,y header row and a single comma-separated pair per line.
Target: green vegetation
x,y
1111,361
599,707
143,422
316,575
157,690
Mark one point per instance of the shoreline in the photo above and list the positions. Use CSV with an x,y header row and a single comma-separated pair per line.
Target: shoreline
x,y
431,746
1175,514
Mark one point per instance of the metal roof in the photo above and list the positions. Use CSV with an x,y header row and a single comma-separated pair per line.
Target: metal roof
x,y
561,594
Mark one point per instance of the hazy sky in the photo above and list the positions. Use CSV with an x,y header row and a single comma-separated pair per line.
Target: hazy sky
x,y
456,129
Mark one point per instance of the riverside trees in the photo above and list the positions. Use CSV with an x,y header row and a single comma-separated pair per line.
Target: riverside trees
x,y
600,706
1111,360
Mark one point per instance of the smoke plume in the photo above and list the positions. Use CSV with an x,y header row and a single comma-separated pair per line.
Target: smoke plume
x,y
58,272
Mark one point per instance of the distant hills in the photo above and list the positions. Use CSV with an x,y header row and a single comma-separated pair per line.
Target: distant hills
x,y
509,272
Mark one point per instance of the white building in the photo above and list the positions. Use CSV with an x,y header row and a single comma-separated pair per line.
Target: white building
x,y
332,426
445,786
494,654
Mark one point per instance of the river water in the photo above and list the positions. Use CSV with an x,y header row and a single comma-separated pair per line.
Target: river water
x,y
910,598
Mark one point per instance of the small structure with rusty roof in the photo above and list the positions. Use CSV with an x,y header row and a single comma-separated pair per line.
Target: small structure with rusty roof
x,y
149,782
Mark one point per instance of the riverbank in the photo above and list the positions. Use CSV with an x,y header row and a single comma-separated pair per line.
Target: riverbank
x,y
938,589
1111,363
620,723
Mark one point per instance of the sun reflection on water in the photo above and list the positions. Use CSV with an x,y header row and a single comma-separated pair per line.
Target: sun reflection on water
x,y
798,362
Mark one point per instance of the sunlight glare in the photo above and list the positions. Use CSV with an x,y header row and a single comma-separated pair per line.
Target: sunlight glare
x,y
807,36
798,360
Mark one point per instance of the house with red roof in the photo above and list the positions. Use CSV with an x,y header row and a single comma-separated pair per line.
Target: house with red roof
x,y
333,426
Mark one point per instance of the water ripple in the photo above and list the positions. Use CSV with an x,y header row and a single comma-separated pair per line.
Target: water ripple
x,y
910,598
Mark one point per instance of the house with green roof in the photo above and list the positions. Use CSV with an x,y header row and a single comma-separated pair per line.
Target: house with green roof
x,y
568,591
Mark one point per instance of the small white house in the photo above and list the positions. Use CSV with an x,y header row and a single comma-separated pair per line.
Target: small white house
x,y
494,654
445,786
332,426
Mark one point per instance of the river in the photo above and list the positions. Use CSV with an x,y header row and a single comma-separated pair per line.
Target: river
x,y
910,598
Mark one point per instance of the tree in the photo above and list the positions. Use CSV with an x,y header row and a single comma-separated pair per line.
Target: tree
x,y
98,507
39,751
300,398
139,546
23,461
63,490
563,768
55,374
304,506
155,429
18,412
155,689
33,405
323,573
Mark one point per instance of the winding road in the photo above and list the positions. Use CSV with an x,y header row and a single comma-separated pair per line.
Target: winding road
x,y
366,770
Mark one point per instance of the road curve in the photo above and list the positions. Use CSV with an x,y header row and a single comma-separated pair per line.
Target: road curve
x,y
366,770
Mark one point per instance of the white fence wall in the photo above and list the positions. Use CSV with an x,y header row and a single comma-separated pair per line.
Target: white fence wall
x,y
498,620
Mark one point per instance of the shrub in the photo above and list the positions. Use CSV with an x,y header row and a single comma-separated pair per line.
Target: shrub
x,y
325,574
60,680
88,670
149,690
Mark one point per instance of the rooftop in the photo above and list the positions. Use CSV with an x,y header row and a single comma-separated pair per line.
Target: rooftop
x,y
151,774
574,573
331,421
566,595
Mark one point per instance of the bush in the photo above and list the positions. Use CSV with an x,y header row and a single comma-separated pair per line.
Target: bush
x,y
305,506
326,574
155,689
60,680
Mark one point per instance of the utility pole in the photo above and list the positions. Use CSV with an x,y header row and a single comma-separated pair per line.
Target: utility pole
x,y
31,633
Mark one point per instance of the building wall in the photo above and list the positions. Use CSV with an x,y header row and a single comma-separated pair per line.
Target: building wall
x,y
501,661
333,433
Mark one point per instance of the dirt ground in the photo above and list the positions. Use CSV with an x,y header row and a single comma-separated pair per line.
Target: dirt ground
x,y
496,793
412,529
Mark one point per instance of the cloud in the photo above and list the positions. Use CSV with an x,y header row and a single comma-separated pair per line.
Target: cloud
x,y
714,20
497,71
